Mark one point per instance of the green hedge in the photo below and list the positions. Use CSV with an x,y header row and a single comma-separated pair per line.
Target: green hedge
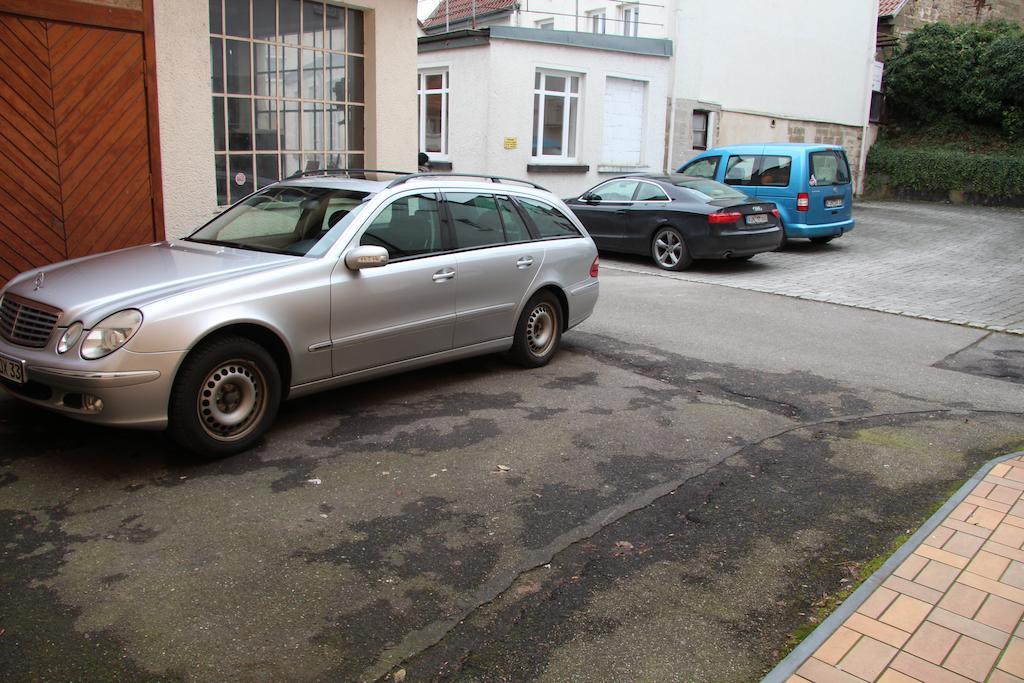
x,y
939,170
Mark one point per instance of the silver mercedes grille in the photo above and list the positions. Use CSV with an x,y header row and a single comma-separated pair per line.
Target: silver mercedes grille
x,y
26,323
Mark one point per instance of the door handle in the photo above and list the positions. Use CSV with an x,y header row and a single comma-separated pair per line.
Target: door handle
x,y
444,275
622,211
524,262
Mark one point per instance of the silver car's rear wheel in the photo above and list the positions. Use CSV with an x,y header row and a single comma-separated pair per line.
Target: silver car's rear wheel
x,y
669,250
539,330
231,400
225,396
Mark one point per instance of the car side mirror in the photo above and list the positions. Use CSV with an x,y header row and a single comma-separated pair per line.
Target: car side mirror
x,y
366,256
591,198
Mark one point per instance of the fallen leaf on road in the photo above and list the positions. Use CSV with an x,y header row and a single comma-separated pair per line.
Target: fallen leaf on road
x,y
314,482
399,676
503,468
625,545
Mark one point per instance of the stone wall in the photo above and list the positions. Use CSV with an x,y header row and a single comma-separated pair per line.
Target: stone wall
x,y
917,13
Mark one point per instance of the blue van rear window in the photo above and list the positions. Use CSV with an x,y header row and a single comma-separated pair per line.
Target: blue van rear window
x,y
829,168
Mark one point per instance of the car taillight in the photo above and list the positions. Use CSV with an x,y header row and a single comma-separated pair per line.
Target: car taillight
x,y
775,212
803,201
593,267
723,217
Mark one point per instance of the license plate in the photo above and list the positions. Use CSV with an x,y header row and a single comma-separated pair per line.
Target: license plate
x,y
12,369
757,219
833,203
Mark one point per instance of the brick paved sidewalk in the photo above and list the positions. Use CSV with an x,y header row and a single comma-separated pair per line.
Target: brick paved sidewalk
x,y
946,607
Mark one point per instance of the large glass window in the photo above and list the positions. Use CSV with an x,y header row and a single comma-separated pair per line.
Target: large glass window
x,y
598,21
556,103
433,101
287,82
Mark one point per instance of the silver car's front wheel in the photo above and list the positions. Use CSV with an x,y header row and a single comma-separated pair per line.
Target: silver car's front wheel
x,y
232,399
224,398
669,250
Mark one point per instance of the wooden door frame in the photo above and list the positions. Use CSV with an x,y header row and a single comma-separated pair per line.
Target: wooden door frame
x,y
135,21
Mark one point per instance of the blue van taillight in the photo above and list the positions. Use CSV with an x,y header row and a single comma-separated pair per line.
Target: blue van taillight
x,y
803,202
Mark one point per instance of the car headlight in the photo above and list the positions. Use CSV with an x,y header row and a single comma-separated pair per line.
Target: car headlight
x,y
111,333
70,338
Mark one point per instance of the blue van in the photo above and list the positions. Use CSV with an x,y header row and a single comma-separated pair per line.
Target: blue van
x,y
810,184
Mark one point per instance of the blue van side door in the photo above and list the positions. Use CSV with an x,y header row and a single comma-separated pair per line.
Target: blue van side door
x,y
778,181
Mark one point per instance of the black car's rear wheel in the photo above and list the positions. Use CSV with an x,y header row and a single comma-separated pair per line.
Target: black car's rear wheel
x,y
224,398
669,250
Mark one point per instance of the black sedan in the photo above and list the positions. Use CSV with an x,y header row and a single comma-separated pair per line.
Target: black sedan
x,y
677,219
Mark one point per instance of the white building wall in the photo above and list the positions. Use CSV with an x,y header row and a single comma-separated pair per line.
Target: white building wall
x,y
492,99
186,111
802,59
573,15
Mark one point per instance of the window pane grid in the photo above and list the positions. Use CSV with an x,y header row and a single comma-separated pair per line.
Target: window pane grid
x,y
432,90
555,108
285,99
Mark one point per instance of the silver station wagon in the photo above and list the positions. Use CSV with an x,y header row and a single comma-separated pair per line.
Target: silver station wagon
x,y
312,283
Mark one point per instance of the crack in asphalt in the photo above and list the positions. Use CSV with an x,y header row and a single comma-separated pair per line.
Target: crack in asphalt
x,y
433,634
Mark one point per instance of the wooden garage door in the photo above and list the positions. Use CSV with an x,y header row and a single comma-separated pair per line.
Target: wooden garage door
x,y
74,150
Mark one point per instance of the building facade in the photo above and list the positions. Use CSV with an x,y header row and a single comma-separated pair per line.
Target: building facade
x,y
731,73
128,121
525,102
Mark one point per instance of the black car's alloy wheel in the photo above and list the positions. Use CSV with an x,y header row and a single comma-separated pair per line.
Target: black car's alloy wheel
x,y
669,250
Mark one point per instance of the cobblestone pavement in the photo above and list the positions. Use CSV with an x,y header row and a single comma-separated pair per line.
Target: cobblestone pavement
x,y
960,264
951,611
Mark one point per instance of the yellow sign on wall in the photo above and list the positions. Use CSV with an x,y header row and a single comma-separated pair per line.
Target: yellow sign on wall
x,y
511,143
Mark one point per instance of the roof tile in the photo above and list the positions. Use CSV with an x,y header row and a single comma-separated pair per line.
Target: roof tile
x,y
458,10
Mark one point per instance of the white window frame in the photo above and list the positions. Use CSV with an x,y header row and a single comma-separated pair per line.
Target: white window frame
x,y
548,24
709,132
537,152
444,91
630,15
598,21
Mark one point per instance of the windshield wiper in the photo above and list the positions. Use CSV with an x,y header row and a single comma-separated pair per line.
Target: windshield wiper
x,y
239,245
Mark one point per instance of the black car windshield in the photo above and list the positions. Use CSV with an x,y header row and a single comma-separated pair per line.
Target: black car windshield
x,y
709,188
284,220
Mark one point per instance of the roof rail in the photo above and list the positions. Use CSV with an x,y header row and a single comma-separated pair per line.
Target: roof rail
x,y
348,172
486,176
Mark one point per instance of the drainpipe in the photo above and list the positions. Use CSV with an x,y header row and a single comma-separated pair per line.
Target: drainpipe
x,y
862,163
473,10
447,25
673,35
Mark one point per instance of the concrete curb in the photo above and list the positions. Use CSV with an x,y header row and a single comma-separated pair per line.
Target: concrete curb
x,y
802,652
1017,331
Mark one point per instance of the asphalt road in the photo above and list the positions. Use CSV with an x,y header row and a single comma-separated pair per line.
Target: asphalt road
x,y
667,500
